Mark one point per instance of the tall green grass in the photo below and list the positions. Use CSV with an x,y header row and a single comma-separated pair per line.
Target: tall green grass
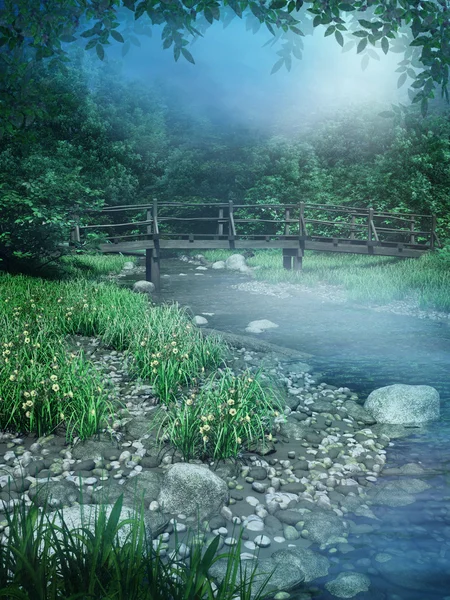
x,y
366,279
42,560
43,386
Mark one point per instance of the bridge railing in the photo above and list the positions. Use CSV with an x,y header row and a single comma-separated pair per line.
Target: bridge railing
x,y
287,221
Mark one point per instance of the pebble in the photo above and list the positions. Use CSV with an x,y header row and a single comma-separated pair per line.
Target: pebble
x,y
263,541
230,541
252,500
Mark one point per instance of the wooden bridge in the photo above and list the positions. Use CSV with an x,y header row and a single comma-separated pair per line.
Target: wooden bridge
x,y
288,226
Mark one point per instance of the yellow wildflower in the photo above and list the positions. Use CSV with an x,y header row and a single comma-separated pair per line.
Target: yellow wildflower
x,y
232,411
93,412
28,414
210,417
70,394
12,377
173,343
26,394
175,350
247,418
230,402
55,387
203,418
238,440
61,415
189,402
29,403
33,393
206,427
143,343
205,438
53,377
27,340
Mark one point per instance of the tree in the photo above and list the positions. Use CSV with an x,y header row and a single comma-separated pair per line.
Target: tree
x,y
32,30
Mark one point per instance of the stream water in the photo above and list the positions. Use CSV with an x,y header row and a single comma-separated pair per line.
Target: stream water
x,y
361,349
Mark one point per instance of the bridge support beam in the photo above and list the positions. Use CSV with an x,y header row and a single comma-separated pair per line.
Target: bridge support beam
x,y
152,267
293,258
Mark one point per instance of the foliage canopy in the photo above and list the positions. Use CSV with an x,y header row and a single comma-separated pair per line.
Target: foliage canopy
x,y
31,31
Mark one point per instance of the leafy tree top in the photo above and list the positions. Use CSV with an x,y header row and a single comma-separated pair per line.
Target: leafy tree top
x,y
33,30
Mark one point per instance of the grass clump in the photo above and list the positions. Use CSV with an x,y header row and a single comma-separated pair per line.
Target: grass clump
x,y
42,560
225,415
37,316
366,279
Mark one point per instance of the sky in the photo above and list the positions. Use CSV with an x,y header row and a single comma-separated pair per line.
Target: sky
x,y
232,74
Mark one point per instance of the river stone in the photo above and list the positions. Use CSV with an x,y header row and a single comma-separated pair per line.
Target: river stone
x,y
392,431
286,575
199,320
219,264
294,430
58,494
84,465
94,449
402,404
260,326
258,473
288,517
235,262
390,494
324,527
143,287
359,413
293,488
312,564
192,489
348,585
154,523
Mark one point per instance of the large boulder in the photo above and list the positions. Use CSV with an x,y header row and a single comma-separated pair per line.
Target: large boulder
x,y
74,518
286,574
236,262
191,490
143,287
402,404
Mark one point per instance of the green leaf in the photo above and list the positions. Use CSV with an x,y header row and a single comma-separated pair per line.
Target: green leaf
x,y
277,66
117,36
365,62
100,51
372,54
339,38
329,31
277,4
362,44
67,38
187,55
424,107
385,45
361,34
126,48
401,80
176,53
90,44
346,7
348,46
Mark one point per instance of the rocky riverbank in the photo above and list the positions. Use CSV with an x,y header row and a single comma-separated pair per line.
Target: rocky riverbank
x,y
303,501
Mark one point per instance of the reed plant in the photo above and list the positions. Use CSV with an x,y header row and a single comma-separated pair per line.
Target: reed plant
x,y
222,418
43,560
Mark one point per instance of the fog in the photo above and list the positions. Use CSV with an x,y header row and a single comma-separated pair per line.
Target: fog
x,y
231,76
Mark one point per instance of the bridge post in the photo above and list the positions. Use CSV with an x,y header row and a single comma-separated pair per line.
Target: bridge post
x,y
297,260
152,267
412,237
75,237
287,259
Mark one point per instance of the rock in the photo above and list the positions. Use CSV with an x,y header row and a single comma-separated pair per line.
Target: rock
x,y
359,413
192,488
390,494
348,585
285,576
310,563
128,266
258,473
402,404
324,527
198,320
288,517
260,326
71,516
220,264
143,287
58,494
235,262
262,541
